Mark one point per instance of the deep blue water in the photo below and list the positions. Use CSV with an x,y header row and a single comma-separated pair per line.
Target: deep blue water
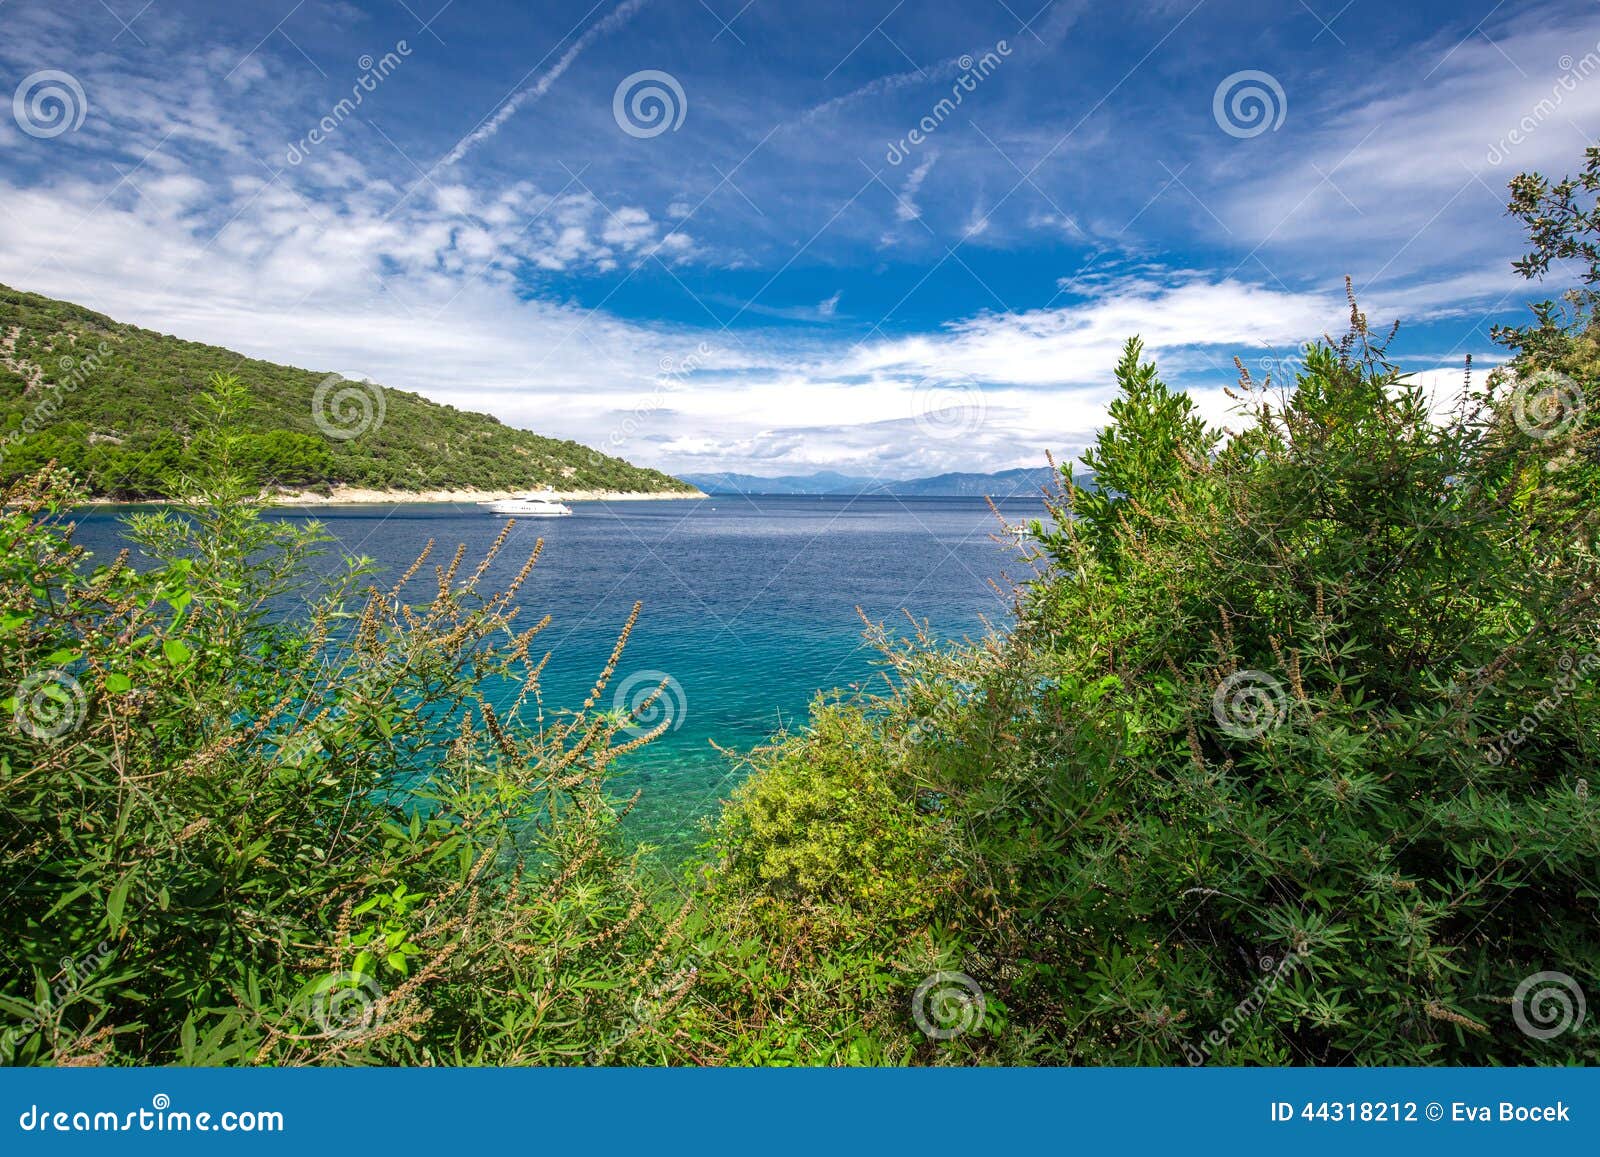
x,y
749,606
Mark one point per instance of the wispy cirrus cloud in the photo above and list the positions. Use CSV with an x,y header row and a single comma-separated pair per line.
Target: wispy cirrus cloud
x,y
906,205
1406,172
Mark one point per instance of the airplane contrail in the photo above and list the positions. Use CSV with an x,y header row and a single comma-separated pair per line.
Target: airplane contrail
x,y
617,17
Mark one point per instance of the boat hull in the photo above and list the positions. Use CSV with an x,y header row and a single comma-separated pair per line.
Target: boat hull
x,y
526,508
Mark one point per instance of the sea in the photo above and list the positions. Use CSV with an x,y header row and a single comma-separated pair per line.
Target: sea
x,y
749,609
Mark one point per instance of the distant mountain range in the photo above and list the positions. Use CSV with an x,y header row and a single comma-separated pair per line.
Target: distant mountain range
x,y
1025,481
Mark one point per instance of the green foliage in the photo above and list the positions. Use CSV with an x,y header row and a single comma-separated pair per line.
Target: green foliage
x,y
1286,759
115,405
1561,228
1149,445
819,830
207,858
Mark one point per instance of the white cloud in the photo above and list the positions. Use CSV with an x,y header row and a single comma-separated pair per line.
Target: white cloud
x,y
977,222
1076,344
450,322
906,205
1407,174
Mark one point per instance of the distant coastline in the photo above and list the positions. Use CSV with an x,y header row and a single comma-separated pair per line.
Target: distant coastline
x,y
363,496
1022,482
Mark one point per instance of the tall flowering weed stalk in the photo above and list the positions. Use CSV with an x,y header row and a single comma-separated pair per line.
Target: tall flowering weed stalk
x,y
313,817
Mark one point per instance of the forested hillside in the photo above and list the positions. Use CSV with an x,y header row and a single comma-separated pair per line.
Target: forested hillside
x,y
115,404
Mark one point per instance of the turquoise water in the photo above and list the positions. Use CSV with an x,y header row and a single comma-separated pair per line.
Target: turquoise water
x,y
749,607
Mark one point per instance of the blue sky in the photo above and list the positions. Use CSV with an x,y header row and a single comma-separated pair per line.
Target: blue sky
x,y
776,276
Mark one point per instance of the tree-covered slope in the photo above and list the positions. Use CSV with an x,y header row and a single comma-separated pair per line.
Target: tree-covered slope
x,y
116,404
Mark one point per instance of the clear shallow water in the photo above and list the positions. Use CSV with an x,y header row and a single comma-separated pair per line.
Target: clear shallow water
x,y
749,605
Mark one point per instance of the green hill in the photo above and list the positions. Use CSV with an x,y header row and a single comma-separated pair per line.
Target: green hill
x,y
116,404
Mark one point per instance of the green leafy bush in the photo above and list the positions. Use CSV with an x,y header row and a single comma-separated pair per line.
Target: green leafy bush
x,y
206,854
1286,759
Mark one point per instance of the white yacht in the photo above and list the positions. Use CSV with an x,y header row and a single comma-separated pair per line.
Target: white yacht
x,y
530,506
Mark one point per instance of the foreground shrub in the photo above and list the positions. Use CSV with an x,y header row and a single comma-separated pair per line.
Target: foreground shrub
x,y
236,827
1288,758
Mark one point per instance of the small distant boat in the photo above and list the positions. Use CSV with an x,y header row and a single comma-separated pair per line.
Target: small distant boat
x,y
530,506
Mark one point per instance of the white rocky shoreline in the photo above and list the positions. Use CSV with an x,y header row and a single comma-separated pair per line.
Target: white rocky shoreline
x,y
363,496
